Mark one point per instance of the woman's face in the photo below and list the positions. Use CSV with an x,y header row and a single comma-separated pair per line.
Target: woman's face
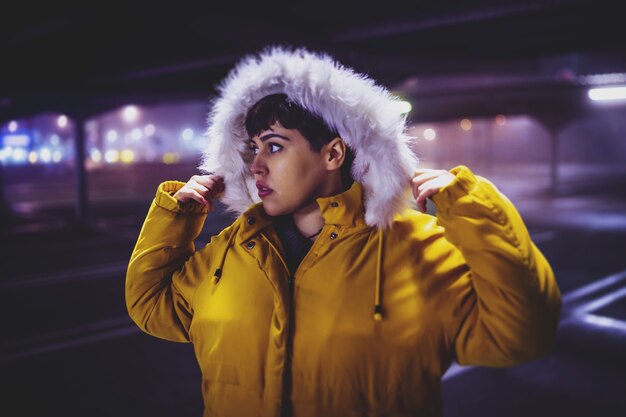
x,y
288,174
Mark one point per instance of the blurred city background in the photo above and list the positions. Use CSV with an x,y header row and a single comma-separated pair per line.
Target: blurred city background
x,y
100,103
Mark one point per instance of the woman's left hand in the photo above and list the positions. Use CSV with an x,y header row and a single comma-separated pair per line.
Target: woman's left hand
x,y
427,182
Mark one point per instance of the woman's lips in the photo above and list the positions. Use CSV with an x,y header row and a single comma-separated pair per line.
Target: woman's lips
x,y
264,190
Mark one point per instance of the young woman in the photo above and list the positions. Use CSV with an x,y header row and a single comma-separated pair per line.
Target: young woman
x,y
329,295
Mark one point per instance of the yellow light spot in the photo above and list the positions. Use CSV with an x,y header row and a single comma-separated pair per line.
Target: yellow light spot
x,y
466,124
32,157
127,156
170,158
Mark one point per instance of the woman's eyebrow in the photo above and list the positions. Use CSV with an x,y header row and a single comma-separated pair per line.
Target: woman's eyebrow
x,y
271,135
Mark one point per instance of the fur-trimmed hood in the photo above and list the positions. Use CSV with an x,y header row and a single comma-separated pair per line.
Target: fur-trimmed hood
x,y
363,113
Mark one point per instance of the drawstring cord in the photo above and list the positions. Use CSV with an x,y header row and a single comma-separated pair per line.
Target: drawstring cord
x,y
378,306
218,272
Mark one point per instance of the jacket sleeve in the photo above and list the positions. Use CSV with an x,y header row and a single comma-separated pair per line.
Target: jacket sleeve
x,y
509,312
158,286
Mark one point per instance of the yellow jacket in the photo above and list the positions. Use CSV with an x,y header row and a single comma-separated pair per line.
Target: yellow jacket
x,y
468,284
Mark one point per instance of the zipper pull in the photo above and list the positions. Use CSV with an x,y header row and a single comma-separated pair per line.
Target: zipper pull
x,y
217,275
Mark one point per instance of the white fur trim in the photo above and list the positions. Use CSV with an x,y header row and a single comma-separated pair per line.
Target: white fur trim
x,y
362,112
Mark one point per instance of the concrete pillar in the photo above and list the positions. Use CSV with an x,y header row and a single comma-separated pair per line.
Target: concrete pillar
x,y
554,160
5,208
554,124
80,173
488,154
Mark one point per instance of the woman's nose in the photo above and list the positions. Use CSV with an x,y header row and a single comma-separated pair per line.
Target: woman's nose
x,y
258,165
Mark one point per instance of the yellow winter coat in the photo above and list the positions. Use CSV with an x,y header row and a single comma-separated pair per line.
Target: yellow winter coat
x,y
468,284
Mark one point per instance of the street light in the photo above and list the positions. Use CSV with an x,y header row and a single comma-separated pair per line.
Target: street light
x,y
112,135
187,134
62,121
430,134
607,93
130,114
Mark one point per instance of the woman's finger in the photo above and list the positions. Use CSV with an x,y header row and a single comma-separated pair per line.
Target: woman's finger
x,y
207,180
214,184
428,189
420,179
202,189
191,194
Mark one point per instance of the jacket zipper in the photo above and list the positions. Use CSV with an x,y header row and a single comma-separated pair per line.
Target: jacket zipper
x,y
286,407
286,410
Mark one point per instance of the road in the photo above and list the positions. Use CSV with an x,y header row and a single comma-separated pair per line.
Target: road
x,y
69,348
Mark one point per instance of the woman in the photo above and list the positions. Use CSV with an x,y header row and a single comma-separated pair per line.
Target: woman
x,y
329,295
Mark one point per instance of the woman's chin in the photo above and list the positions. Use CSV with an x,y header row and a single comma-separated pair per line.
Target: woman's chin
x,y
273,210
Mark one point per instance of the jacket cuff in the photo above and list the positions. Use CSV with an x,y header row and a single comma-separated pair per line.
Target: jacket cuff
x,y
464,183
165,199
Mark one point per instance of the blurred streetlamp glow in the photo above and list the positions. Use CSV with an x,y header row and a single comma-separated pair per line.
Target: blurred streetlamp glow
x,y
16,139
5,153
597,79
466,124
402,106
130,114
96,156
112,135
136,134
55,140
170,158
149,129
607,93
62,121
32,157
8,151
430,134
127,156
45,155
111,156
12,126
57,156
19,155
187,134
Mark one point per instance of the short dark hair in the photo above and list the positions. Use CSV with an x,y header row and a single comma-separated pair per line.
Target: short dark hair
x,y
279,108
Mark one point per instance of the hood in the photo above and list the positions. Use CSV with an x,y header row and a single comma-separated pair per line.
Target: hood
x,y
364,114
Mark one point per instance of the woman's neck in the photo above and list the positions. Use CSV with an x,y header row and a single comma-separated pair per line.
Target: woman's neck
x,y
309,221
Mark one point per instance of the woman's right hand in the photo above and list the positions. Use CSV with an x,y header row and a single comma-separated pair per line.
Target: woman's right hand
x,y
202,189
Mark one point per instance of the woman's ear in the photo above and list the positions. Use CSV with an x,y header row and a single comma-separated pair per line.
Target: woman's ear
x,y
334,154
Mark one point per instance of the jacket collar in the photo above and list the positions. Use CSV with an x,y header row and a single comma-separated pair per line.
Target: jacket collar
x,y
345,209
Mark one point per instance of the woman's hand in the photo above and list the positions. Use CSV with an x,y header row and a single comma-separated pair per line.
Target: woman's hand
x,y
427,182
202,189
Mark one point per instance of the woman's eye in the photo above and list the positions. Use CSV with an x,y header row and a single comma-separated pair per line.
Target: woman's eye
x,y
271,148
274,147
